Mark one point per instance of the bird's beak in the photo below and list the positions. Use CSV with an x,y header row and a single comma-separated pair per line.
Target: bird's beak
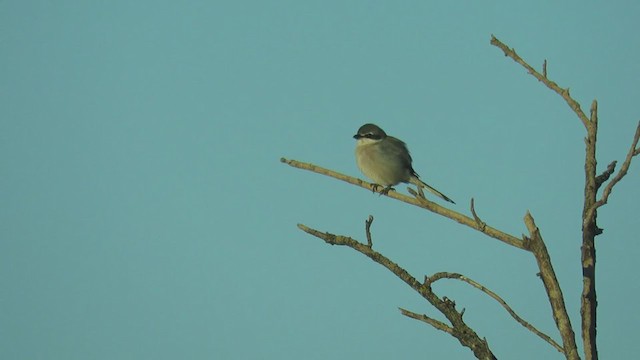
x,y
357,136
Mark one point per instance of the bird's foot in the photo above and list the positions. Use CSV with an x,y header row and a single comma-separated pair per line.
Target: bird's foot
x,y
383,190
386,190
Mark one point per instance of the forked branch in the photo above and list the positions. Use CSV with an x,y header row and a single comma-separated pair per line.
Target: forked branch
x,y
574,105
634,150
458,328
446,275
590,228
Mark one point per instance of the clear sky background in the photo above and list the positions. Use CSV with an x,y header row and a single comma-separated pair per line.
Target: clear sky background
x,y
145,213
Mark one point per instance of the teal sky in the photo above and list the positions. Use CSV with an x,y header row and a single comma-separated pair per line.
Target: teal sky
x,y
145,213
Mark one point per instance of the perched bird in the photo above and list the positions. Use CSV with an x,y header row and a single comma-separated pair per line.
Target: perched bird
x,y
386,160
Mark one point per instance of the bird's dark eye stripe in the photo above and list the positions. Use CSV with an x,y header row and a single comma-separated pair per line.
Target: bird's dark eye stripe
x,y
372,136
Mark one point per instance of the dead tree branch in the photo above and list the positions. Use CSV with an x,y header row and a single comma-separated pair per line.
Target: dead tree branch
x,y
600,179
416,201
552,287
458,329
367,227
431,321
446,275
481,224
590,228
634,150
543,78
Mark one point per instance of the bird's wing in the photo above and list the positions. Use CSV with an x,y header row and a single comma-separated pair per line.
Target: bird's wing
x,y
401,152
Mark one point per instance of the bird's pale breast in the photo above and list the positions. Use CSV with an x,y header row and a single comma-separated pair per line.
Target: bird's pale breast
x,y
383,168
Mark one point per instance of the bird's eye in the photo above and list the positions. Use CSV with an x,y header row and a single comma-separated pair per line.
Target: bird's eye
x,y
371,136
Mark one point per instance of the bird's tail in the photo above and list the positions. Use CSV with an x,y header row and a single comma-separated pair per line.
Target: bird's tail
x,y
417,182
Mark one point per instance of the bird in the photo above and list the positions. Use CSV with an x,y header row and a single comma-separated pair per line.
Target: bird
x,y
386,160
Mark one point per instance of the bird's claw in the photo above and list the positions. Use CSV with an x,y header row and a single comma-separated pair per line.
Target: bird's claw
x,y
384,191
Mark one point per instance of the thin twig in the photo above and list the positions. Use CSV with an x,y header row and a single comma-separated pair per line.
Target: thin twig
x,y
431,321
481,224
367,230
445,275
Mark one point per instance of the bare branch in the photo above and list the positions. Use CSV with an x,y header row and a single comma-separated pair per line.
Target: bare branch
x,y
424,318
460,330
552,287
543,78
589,214
594,111
367,230
600,179
481,224
445,275
590,229
416,201
633,151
